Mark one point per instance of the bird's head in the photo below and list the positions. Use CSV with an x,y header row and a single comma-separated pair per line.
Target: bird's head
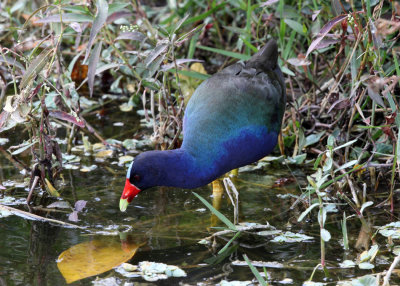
x,y
130,189
143,173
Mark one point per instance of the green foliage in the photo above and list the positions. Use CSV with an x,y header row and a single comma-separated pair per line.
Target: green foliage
x,y
339,59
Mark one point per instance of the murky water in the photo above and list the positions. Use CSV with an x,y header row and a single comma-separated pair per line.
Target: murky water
x,y
170,222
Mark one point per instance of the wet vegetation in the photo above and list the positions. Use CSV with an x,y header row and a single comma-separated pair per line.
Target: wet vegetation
x,y
87,85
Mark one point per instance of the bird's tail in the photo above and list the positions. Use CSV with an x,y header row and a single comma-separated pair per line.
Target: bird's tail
x,y
266,58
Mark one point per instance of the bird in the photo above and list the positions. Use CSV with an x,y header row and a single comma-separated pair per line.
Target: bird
x,y
231,120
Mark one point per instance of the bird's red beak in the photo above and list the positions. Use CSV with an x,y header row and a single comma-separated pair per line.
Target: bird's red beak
x,y
130,191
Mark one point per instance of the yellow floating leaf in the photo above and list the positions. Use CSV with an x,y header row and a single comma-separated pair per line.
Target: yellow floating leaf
x,y
104,153
86,169
98,146
52,191
125,159
94,257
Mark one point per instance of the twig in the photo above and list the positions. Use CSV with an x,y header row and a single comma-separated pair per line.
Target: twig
x,y
235,202
31,216
28,199
387,276
240,228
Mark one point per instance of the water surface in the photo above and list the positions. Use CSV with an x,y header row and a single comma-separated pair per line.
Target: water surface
x,y
170,222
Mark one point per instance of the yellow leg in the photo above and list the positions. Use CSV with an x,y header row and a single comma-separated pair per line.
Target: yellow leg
x,y
234,172
218,190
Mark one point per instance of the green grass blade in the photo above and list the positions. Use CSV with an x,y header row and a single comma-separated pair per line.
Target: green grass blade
x,y
289,45
229,242
255,272
248,27
204,15
192,45
249,45
226,53
223,218
344,231
192,74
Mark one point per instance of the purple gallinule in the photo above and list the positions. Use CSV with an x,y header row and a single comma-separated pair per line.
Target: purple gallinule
x,y
231,120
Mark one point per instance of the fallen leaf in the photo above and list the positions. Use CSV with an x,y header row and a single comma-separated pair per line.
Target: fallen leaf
x,y
299,62
60,205
52,191
80,205
94,257
75,119
79,71
324,31
73,216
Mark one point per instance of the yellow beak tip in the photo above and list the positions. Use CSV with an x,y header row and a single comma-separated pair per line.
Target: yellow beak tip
x,y
123,204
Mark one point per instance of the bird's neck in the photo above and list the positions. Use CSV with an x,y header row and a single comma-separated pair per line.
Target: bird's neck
x,y
179,168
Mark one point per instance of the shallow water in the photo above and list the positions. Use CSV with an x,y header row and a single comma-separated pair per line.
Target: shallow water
x,y
170,222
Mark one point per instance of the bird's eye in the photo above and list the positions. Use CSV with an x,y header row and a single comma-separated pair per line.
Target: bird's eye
x,y
136,178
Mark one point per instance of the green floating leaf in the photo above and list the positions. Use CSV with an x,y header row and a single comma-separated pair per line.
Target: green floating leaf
x,y
391,230
347,264
291,237
367,280
366,265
